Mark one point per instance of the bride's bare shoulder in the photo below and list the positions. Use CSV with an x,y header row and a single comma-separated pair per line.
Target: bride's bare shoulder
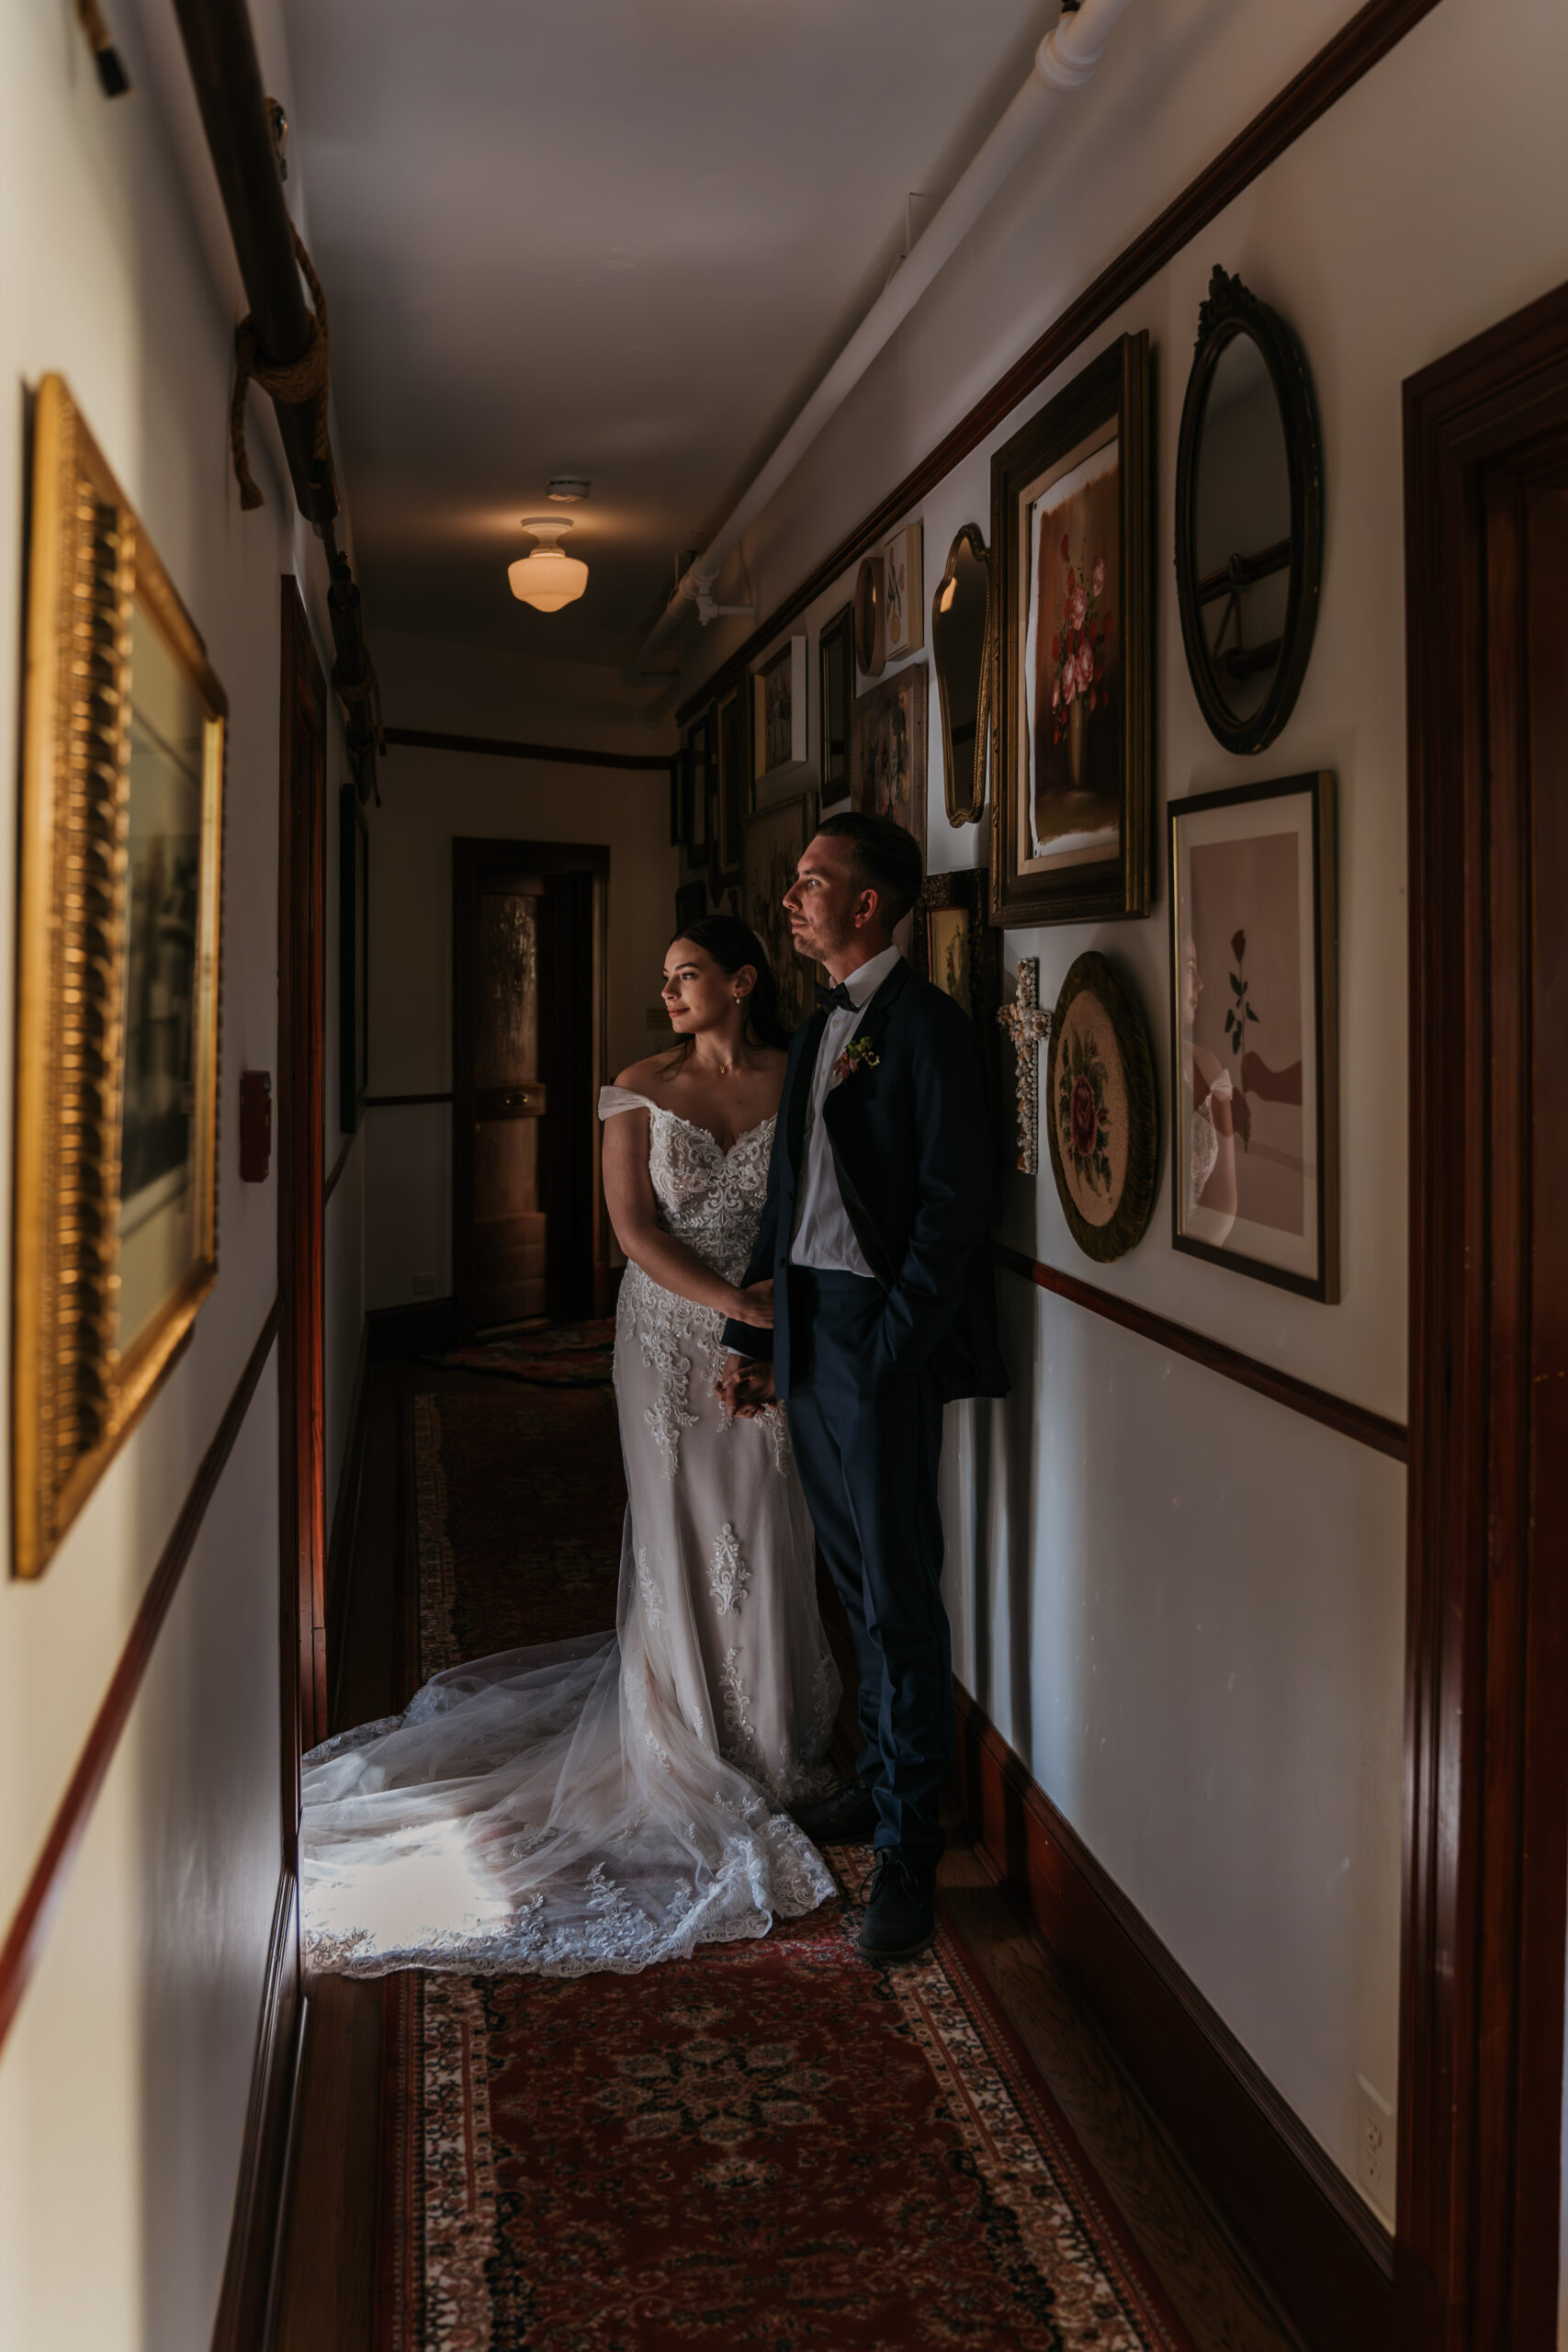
x,y
647,1077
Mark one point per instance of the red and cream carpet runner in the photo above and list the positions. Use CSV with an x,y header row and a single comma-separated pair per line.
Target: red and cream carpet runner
x,y
770,2145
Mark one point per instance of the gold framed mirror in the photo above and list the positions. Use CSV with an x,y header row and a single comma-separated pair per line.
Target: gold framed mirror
x,y
962,645
116,1220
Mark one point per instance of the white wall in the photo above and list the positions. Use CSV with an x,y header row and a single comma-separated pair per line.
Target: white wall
x,y
431,797
123,2083
1185,1605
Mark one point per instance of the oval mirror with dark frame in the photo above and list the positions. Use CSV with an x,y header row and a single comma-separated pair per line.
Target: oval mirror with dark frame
x,y
961,647
1249,517
871,618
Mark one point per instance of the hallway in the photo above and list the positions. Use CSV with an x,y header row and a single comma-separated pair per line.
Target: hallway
x,y
883,689
565,2214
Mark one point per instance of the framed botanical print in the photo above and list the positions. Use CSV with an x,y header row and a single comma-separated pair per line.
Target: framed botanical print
x,y
887,766
1072,530
116,1220
906,596
774,839
353,958
1254,1032
835,701
734,785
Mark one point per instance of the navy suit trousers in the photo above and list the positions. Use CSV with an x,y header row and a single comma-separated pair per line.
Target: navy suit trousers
x,y
867,1439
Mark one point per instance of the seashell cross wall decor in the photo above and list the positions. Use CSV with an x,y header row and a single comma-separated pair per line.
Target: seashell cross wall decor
x,y
1029,1025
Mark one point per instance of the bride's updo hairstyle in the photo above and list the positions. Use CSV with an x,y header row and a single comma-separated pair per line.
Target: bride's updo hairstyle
x,y
733,943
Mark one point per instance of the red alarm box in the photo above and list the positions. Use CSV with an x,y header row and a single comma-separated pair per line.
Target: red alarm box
x,y
256,1125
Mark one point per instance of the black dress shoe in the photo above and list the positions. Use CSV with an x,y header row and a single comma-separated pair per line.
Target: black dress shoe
x,y
846,1818
900,1915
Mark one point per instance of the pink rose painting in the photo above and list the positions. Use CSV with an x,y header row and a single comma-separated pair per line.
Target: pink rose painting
x,y
1073,662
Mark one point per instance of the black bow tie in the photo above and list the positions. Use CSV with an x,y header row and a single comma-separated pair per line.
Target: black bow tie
x,y
835,1000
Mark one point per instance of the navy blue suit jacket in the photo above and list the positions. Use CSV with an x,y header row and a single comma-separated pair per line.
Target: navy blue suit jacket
x,y
911,1142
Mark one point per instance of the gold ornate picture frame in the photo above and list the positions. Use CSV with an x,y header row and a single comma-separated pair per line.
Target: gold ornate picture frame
x,y
115,1239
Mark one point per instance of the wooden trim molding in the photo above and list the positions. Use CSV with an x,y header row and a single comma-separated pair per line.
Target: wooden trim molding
x,y
339,1164
1338,65
243,2304
1299,1396
402,1101
423,739
25,1939
1320,2250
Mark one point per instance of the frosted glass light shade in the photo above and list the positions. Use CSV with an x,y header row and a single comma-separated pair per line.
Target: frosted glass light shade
x,y
547,579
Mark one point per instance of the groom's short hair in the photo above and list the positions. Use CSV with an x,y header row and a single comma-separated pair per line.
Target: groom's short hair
x,y
887,860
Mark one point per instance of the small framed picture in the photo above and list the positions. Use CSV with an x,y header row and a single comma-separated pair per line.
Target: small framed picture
x,y
905,592
1072,535
774,839
835,701
700,751
1255,1032
955,947
734,785
779,714
888,750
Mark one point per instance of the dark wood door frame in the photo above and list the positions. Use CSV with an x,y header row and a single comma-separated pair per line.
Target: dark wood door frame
x,y
1486,1731
472,856
299,1122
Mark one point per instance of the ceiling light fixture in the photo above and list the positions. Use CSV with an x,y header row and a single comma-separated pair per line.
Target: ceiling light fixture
x,y
547,577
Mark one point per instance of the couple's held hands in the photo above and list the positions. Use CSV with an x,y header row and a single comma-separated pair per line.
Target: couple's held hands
x,y
745,1385
754,1305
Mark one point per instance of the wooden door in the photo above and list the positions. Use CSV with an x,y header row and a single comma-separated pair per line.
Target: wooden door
x,y
528,1063
299,1143
1486,1868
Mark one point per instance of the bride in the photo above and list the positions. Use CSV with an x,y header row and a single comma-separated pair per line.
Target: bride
x,y
613,1801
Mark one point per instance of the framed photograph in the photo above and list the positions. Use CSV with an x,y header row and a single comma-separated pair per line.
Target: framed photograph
x,y
1101,1110
700,753
115,1233
774,839
955,946
887,766
835,701
734,785
1072,530
1255,1032
353,958
905,593
691,905
778,691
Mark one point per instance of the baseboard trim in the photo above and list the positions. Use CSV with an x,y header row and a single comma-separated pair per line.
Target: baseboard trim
x,y
243,2305
342,1544
1321,2252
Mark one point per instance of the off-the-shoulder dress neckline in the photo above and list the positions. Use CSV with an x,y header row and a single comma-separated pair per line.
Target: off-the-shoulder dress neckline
x,y
724,1150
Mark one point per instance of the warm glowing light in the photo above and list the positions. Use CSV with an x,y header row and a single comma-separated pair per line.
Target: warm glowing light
x,y
547,577
948,594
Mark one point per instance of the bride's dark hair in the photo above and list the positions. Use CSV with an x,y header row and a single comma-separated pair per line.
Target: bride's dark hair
x,y
731,944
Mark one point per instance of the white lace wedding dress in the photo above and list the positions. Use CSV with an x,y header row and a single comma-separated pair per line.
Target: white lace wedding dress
x,y
613,1801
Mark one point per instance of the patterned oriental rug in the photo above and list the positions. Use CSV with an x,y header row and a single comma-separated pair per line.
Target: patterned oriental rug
x,y
769,2145
566,1355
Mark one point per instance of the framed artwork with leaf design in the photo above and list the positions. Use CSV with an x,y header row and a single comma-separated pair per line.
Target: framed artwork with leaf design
x,y
1072,534
1101,1110
115,1213
1255,1032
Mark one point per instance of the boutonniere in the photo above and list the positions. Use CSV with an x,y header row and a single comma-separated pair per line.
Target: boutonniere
x,y
857,1054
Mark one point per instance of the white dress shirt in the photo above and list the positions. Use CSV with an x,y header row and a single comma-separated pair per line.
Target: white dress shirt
x,y
824,1238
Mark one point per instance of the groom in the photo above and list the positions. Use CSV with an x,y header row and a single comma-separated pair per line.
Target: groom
x,y
875,1236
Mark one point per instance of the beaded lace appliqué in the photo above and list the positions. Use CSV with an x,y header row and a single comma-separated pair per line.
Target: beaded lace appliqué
x,y
730,1572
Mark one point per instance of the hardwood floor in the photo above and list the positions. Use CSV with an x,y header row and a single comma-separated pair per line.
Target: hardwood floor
x,y
326,2287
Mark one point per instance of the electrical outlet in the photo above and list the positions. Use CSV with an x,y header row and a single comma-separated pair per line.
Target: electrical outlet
x,y
1374,2146
424,1285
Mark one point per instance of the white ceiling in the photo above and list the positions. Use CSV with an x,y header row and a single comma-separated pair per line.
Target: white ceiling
x,y
613,237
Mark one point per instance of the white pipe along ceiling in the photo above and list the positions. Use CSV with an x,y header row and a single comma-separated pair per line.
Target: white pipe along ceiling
x,y
1063,62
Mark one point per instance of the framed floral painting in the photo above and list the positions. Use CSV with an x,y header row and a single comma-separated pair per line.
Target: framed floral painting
x,y
1101,1110
1072,533
1254,1032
